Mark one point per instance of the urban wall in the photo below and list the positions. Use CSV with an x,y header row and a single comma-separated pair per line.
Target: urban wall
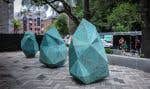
x,y
12,42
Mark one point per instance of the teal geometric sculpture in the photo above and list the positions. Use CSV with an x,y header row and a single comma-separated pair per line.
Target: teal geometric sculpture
x,y
87,58
53,51
29,44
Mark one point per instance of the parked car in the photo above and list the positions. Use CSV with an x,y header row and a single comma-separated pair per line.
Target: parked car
x,y
67,40
106,44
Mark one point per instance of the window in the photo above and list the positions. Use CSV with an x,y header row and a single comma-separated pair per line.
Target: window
x,y
38,22
38,29
30,19
30,24
24,18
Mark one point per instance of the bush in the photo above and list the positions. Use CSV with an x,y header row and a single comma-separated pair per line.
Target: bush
x,y
108,50
142,55
123,16
61,24
16,24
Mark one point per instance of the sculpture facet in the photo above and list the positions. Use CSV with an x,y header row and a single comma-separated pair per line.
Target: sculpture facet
x,y
87,58
29,44
53,51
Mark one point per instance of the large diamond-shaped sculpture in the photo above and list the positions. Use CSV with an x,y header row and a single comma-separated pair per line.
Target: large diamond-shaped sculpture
x,y
29,44
53,51
87,58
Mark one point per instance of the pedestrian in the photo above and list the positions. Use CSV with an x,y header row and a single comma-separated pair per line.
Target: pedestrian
x,y
137,45
121,41
125,46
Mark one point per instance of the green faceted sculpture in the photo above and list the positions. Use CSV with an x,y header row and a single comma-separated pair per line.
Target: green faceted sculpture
x,y
53,51
29,44
87,58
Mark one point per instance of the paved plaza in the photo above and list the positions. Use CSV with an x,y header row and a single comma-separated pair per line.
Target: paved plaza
x,y
18,72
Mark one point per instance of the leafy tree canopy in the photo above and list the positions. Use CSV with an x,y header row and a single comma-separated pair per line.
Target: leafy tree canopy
x,y
123,16
16,24
106,14
61,24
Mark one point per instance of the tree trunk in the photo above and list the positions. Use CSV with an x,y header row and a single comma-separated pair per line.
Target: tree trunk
x,y
146,29
72,26
73,20
86,9
67,10
72,17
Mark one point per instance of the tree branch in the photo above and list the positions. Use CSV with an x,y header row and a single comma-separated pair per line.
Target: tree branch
x,y
54,1
50,3
67,10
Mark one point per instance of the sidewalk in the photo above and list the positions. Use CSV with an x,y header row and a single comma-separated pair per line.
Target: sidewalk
x,y
18,72
130,54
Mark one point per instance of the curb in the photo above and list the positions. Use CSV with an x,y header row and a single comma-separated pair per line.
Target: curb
x,y
131,62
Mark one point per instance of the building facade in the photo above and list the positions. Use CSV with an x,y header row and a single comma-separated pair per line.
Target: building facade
x,y
6,15
35,24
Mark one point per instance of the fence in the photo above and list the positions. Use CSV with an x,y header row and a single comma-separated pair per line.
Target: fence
x,y
12,42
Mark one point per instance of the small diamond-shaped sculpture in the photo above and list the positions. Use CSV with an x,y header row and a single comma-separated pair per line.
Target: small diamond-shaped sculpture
x,y
29,44
53,51
87,58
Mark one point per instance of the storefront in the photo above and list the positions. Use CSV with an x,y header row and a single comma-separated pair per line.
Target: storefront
x,y
131,39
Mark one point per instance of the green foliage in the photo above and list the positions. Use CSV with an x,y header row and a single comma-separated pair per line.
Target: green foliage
x,y
119,28
100,9
16,24
142,55
78,12
123,16
118,15
61,24
108,50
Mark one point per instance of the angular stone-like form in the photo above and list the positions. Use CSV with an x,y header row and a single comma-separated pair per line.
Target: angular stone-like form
x,y
29,44
87,58
53,51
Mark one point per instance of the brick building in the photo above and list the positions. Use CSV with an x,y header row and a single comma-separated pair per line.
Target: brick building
x,y
35,23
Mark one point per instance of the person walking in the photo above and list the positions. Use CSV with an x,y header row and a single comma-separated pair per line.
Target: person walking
x,y
137,45
121,42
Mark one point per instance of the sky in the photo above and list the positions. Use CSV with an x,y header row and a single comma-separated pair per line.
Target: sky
x,y
17,7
